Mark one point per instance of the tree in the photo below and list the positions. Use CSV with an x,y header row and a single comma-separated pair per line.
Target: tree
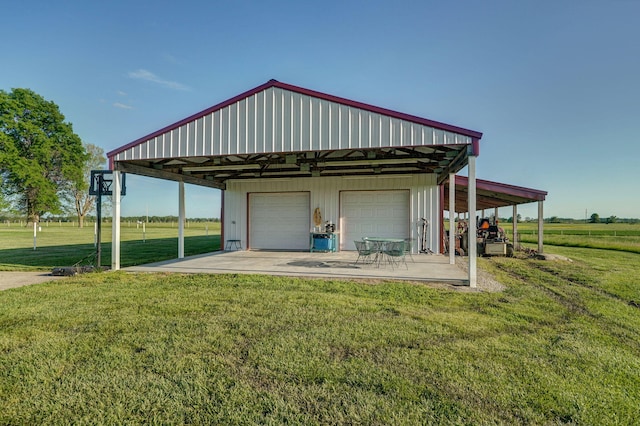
x,y
39,152
4,204
77,193
595,218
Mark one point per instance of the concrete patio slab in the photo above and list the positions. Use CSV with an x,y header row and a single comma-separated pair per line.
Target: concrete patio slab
x,y
341,265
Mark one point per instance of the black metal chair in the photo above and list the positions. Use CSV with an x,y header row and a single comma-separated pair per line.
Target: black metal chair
x,y
395,254
408,247
364,252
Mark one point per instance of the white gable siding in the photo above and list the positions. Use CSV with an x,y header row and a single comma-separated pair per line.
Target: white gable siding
x,y
279,120
325,193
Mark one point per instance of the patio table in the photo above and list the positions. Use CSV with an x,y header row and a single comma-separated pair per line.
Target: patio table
x,y
378,246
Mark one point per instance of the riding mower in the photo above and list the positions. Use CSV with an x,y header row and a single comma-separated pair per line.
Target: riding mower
x,y
492,240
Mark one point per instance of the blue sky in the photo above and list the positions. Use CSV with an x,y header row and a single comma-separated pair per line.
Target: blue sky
x,y
554,85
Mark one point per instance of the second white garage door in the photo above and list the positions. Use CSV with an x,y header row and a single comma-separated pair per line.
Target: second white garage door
x,y
373,214
279,221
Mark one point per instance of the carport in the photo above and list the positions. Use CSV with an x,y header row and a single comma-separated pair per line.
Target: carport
x,y
280,152
492,195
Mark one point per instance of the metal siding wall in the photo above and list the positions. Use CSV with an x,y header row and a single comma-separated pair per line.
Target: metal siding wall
x,y
194,148
277,120
425,204
168,144
325,194
334,128
315,135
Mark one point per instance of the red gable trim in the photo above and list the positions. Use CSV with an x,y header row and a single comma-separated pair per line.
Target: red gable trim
x,y
274,83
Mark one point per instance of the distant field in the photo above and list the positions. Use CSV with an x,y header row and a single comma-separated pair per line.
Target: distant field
x,y
613,229
65,244
615,236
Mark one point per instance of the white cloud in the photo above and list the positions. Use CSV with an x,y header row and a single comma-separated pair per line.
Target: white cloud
x,y
142,74
121,93
122,106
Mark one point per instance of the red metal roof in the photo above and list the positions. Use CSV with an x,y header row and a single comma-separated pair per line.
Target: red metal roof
x,y
491,194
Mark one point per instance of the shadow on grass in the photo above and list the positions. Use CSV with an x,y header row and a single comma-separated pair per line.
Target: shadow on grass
x,y
131,253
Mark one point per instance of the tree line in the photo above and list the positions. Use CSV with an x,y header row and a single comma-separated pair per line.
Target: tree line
x,y
18,218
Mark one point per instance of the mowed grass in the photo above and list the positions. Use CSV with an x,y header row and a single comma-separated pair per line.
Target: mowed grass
x,y
65,245
615,236
560,346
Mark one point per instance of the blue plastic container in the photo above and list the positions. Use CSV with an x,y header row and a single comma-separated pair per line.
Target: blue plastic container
x,y
322,243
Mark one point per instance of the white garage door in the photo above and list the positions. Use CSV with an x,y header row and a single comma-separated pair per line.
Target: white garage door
x,y
279,221
373,214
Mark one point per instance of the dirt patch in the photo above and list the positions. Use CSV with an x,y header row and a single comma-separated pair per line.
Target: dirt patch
x,y
486,281
553,257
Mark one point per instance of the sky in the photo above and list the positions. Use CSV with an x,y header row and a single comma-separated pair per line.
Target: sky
x,y
553,85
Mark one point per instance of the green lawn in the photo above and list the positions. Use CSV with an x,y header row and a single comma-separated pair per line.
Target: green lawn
x,y
560,345
615,236
64,245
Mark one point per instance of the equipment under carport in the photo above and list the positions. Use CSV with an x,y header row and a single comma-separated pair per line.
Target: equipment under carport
x,y
492,240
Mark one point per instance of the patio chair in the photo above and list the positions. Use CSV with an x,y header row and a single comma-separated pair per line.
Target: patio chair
x,y
364,251
395,254
408,247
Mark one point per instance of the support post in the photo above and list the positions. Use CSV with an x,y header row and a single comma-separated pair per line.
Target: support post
x,y
515,226
452,220
181,218
223,235
115,225
473,245
540,226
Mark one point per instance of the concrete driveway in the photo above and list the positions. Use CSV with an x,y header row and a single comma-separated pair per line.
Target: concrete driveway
x,y
19,279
